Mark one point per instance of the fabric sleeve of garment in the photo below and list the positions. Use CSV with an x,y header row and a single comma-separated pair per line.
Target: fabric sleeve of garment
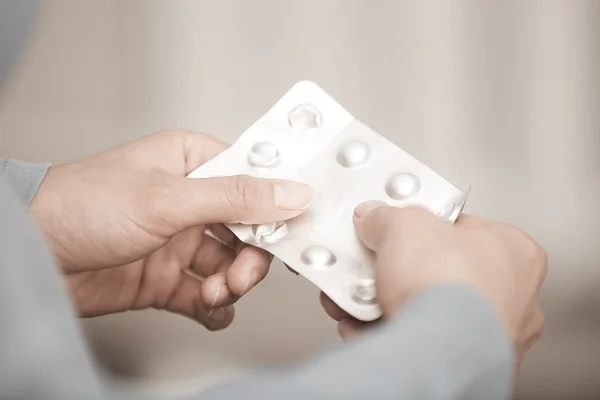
x,y
23,177
446,344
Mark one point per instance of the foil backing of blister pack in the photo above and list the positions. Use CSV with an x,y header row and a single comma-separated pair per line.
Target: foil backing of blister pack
x,y
308,137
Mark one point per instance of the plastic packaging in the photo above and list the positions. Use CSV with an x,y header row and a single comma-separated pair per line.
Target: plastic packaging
x,y
308,137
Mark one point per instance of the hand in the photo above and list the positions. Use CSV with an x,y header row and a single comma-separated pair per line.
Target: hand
x,y
129,229
415,251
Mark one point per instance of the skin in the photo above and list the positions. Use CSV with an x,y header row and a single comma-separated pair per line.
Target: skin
x,y
414,251
130,230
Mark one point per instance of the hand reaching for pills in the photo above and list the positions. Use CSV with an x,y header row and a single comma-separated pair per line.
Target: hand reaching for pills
x,y
308,137
415,251
142,211
130,230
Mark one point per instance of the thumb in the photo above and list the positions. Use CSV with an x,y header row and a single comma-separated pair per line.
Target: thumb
x,y
371,220
376,222
236,199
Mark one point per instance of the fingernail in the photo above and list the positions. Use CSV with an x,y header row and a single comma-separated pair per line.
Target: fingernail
x,y
363,209
249,281
216,297
216,314
292,195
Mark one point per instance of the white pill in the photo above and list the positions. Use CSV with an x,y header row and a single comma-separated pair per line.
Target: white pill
x,y
318,256
269,233
402,186
353,154
304,118
364,292
264,155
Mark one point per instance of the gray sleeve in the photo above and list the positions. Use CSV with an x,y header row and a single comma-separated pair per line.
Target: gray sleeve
x,y
24,178
446,344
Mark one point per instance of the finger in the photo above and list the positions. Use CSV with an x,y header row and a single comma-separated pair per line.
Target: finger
x,y
349,329
212,257
471,221
215,292
248,269
228,284
164,267
374,222
332,309
173,151
370,221
232,199
186,301
199,148
534,330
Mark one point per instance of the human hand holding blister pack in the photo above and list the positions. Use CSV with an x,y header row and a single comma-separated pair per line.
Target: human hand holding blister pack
x,y
308,137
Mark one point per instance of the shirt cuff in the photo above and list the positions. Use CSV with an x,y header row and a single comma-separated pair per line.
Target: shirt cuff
x,y
23,177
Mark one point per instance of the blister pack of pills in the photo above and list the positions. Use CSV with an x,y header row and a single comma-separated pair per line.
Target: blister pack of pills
x,y
308,137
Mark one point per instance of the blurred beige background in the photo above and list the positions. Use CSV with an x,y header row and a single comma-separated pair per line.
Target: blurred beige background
x,y
503,96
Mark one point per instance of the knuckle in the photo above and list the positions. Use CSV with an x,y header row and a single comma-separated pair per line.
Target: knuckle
x,y
165,139
243,192
536,253
532,253
531,247
539,328
518,234
540,254
505,228
540,258
471,221
542,322
168,134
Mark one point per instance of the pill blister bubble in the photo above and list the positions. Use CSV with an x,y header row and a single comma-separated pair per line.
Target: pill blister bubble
x,y
354,154
364,292
318,256
304,118
264,155
308,137
402,186
269,233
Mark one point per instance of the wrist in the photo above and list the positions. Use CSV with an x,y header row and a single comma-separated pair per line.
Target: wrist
x,y
45,205
449,287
